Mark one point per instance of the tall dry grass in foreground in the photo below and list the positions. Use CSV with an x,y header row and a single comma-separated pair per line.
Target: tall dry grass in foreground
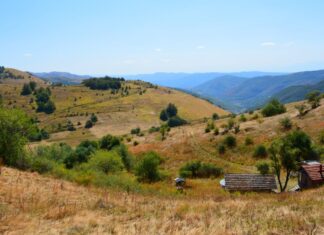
x,y
33,204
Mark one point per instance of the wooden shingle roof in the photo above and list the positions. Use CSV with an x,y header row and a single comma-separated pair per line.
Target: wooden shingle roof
x,y
250,182
315,172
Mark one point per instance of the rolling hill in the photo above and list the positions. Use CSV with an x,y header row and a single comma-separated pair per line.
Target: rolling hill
x,y
117,113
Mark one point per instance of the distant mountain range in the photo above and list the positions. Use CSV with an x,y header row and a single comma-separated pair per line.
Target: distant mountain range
x,y
236,92
191,80
62,77
295,93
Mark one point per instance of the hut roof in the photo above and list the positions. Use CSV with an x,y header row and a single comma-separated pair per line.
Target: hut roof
x,y
250,182
314,171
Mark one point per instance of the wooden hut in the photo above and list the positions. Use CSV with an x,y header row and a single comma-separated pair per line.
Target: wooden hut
x,y
311,174
250,182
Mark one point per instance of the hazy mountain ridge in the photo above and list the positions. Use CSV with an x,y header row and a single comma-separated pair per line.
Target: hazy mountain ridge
x,y
297,93
62,77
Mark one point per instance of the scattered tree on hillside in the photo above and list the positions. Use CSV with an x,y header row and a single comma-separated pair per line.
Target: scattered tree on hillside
x,y
287,152
32,85
88,124
301,109
274,107
44,104
314,99
215,116
26,90
147,168
263,168
170,115
15,128
105,83
286,123
197,169
93,118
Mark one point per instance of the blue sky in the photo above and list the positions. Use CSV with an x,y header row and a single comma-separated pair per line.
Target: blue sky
x,y
144,36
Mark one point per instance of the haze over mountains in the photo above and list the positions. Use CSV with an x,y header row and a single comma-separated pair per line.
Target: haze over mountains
x,y
237,92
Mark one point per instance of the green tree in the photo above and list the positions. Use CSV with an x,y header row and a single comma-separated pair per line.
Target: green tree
x,y
171,110
88,124
301,109
108,142
263,168
215,116
287,152
260,151
15,127
314,98
26,90
230,141
32,85
147,169
93,118
163,115
274,107
286,123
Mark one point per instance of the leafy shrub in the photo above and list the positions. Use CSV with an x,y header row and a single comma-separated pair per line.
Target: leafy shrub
x,y
26,90
242,118
263,168
260,151
171,110
108,142
286,123
163,115
221,149
136,131
274,107
93,118
314,98
215,116
42,165
126,157
135,143
197,169
106,162
230,141
146,169
154,129
301,109
248,141
88,124
176,121
216,131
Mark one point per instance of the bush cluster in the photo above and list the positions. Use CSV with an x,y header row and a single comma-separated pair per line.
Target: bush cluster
x,y
170,116
105,83
197,169
274,107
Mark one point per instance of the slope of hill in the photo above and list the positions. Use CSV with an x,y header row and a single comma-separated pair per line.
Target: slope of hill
x,y
62,77
117,113
21,77
297,93
49,205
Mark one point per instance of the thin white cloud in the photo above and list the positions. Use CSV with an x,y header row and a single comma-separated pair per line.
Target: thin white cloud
x,y
268,44
28,54
158,49
200,47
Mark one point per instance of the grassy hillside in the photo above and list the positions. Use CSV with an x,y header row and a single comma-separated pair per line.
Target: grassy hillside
x,y
117,113
33,204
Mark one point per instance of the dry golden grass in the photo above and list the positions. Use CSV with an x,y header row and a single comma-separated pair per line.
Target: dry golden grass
x,y
33,204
